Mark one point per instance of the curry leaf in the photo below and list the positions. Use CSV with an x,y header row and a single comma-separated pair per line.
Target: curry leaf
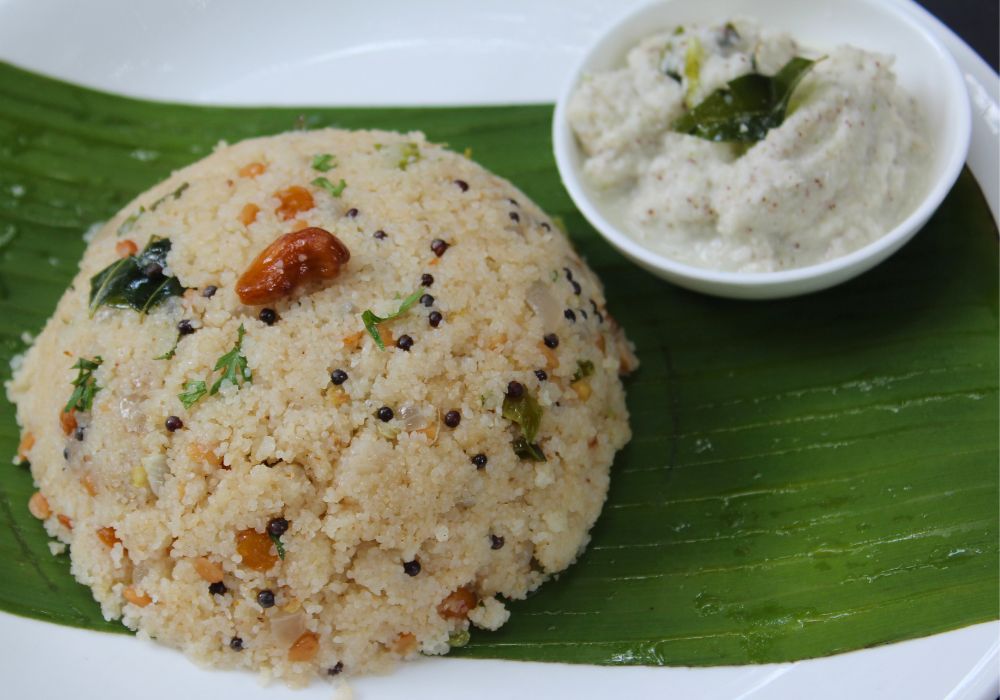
x,y
137,281
525,411
584,368
527,450
747,107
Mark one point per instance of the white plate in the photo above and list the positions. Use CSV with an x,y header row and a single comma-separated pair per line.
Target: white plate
x,y
435,52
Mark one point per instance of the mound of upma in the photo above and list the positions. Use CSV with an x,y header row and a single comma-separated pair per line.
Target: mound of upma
x,y
322,400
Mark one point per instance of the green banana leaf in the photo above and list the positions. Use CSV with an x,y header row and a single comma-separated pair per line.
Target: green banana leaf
x,y
807,476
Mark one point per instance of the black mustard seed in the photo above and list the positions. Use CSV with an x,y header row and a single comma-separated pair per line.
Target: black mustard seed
x,y
479,460
385,414
209,291
185,327
439,246
515,390
277,527
452,419
551,340
426,279
427,300
268,316
173,423
404,343
434,318
265,598
338,376
411,568
217,588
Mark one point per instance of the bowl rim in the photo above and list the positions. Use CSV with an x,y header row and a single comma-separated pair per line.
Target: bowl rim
x,y
829,272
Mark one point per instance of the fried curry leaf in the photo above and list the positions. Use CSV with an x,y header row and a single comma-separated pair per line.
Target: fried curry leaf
x,y
85,385
137,281
527,450
525,411
584,368
747,107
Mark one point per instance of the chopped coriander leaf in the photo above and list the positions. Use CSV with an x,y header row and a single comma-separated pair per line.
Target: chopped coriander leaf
x,y
130,221
409,155
194,389
233,365
334,190
371,321
277,544
584,368
324,162
176,194
85,385
169,354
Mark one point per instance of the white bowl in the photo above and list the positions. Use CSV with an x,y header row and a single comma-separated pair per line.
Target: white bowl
x,y
923,67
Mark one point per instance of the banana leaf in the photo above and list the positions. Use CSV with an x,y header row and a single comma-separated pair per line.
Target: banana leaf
x,y
807,476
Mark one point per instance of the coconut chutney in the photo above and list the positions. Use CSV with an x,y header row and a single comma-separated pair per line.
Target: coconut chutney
x,y
843,168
